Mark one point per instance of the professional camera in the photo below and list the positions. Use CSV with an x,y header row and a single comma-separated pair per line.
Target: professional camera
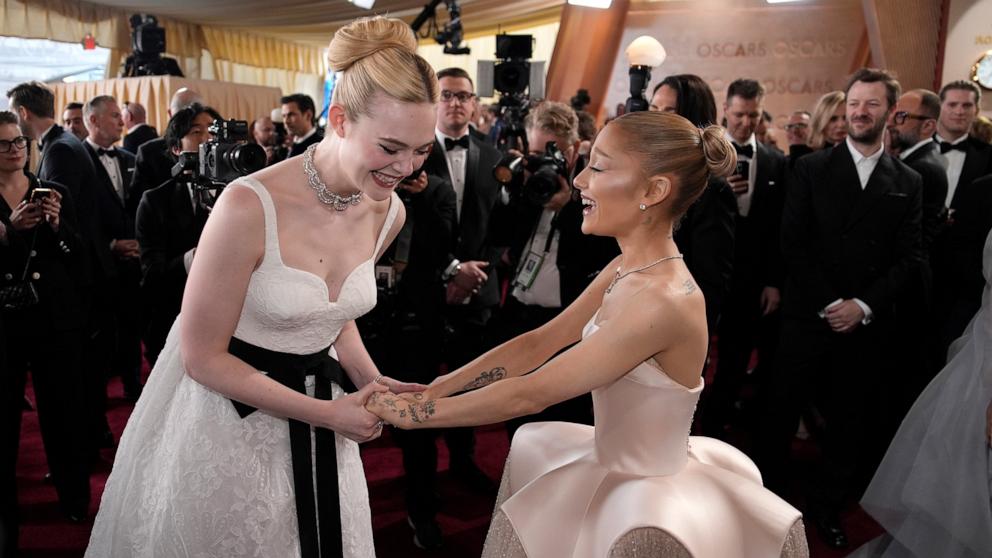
x,y
544,169
517,79
221,160
227,156
148,45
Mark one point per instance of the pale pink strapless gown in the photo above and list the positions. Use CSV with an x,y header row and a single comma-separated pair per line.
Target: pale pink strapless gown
x,y
636,485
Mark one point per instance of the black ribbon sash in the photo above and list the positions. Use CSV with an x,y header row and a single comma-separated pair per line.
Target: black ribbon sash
x,y
291,371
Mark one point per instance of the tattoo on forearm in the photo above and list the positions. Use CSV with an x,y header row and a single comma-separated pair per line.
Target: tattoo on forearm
x,y
486,378
420,412
689,287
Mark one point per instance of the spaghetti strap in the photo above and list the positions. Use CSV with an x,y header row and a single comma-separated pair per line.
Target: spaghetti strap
x,y
394,208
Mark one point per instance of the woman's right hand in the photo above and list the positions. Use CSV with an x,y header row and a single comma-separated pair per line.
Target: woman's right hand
x,y
26,216
351,420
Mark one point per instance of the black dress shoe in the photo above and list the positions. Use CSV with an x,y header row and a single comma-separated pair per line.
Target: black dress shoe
x,y
831,531
469,474
426,533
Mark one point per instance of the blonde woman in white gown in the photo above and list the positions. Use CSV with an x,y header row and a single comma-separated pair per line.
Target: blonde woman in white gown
x,y
284,266
636,484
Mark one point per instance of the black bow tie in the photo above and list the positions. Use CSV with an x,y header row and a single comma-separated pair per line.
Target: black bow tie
x,y
745,150
108,152
947,146
460,142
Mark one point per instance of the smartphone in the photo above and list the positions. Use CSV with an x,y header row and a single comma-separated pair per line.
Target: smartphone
x,y
743,169
39,194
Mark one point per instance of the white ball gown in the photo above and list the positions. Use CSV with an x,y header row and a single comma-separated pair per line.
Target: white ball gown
x,y
636,485
932,490
194,479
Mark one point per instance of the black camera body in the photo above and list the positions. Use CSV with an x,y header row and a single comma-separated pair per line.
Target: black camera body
x,y
221,160
227,156
544,169
148,46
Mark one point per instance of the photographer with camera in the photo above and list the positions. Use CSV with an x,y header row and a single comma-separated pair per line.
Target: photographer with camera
x,y
168,226
44,312
551,260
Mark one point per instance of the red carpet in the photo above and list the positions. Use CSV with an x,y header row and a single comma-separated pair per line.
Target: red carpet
x,y
464,516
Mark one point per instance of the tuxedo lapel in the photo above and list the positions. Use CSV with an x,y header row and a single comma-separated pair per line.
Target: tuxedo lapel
x,y
101,174
879,184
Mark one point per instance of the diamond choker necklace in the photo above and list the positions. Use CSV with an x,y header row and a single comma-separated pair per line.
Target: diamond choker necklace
x,y
325,195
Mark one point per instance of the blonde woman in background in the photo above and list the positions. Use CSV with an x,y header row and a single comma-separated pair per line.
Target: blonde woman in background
x,y
216,459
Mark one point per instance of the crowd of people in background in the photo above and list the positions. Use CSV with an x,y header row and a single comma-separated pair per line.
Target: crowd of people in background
x,y
838,264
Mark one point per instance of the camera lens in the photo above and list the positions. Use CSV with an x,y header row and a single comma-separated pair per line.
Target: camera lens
x,y
246,158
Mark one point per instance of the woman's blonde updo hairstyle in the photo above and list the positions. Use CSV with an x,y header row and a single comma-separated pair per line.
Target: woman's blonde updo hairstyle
x,y
379,54
668,144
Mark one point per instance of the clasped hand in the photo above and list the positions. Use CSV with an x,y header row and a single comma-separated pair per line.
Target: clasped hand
x,y
403,410
357,419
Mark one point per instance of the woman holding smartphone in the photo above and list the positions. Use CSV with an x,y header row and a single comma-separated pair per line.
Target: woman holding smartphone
x,y
37,234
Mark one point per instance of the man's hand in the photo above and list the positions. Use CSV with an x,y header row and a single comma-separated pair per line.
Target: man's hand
x,y
738,184
455,294
845,317
770,299
415,186
471,276
125,249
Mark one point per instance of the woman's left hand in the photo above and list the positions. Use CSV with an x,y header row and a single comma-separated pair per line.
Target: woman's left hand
x,y
51,206
397,386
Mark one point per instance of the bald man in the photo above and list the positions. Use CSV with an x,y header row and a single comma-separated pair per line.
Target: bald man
x,y
138,130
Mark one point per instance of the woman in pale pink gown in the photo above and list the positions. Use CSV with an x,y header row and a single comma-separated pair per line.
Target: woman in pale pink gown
x,y
636,484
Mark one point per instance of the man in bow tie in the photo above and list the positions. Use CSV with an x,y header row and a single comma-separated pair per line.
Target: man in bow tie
x,y
472,290
749,316
119,296
957,250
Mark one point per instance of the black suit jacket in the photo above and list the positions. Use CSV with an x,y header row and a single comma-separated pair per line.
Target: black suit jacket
x,y
927,161
475,233
139,136
977,163
61,262
152,167
116,222
757,253
64,160
166,228
429,230
705,236
299,148
840,241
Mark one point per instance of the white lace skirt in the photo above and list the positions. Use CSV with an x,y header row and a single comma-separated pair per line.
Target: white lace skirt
x,y
193,479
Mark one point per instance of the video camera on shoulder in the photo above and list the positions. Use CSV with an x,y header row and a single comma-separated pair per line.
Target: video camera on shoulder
x,y
223,159
544,169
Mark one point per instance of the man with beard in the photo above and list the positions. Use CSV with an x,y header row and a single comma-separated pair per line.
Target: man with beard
x,y
851,240
911,128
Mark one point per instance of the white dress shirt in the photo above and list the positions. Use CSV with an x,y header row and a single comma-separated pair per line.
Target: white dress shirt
x,y
306,136
113,169
457,160
865,165
744,200
545,291
955,162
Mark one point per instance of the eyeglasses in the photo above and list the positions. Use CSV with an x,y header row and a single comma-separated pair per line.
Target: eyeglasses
x,y
462,96
796,126
20,142
901,116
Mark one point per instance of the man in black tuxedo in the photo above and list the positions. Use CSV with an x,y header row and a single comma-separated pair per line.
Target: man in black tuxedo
x,y
911,128
957,251
138,129
851,239
472,289
749,315
114,167
298,115
153,165
66,161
